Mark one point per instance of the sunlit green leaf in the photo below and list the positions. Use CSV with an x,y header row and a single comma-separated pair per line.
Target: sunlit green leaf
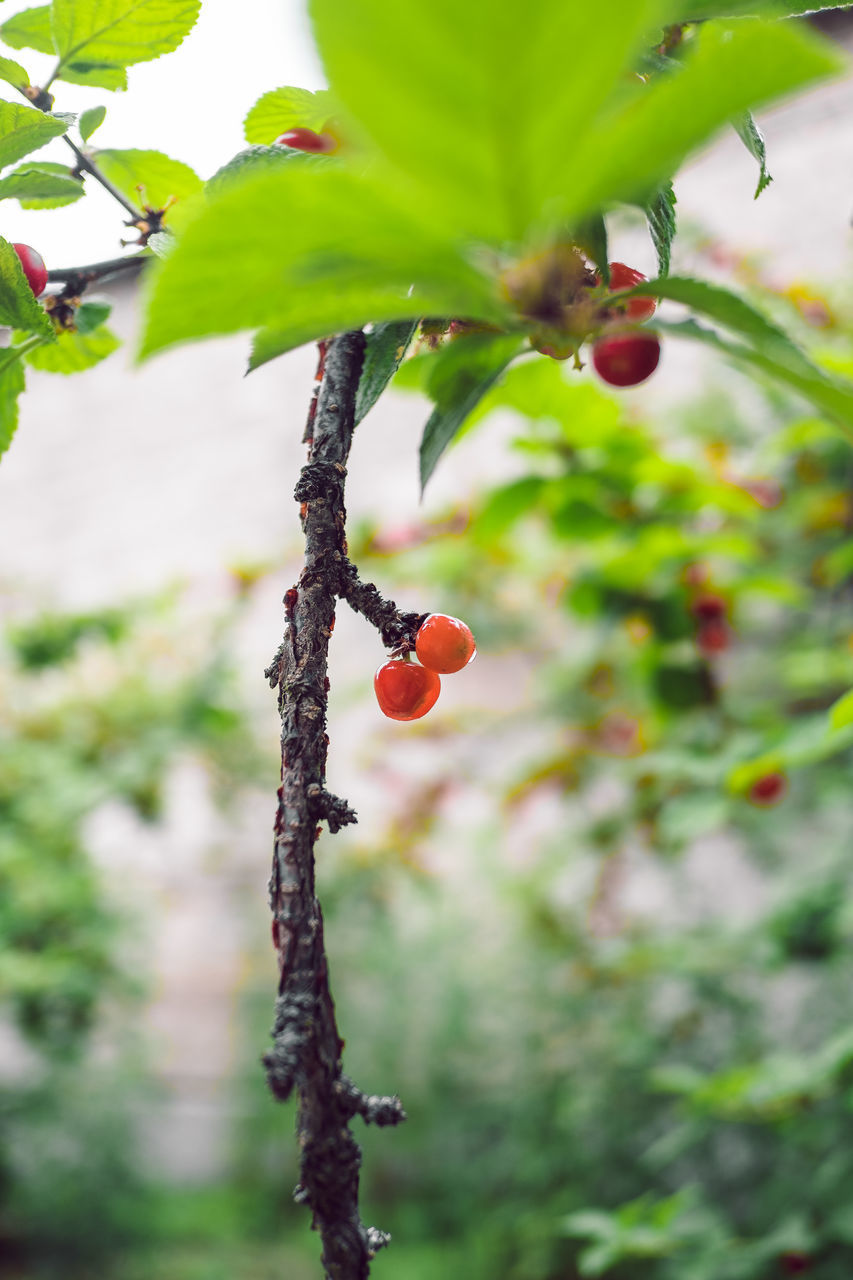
x,y
90,35
287,108
74,352
18,307
13,73
29,29
352,253
148,177
256,160
91,120
841,713
24,129
41,185
11,386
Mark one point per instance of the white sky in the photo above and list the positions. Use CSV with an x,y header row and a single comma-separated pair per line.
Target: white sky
x,y
190,104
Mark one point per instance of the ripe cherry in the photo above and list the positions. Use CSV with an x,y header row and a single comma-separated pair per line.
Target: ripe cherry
x,y
622,277
713,636
768,789
308,140
444,644
34,268
708,607
626,358
404,690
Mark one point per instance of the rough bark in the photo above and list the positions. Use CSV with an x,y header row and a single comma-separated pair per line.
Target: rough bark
x,y
306,1052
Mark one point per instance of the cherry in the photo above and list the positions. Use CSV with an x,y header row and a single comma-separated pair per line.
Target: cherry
x,y
444,644
626,358
713,636
768,789
708,608
34,268
308,140
404,690
622,277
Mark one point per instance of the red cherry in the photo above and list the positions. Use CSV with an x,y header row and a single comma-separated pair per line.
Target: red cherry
x,y
709,608
768,789
713,636
626,358
404,690
308,140
444,644
622,277
34,268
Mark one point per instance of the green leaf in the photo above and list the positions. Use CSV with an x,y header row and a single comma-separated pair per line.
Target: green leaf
x,y
95,75
13,73
91,120
41,185
473,103
728,70
18,307
704,9
660,212
90,315
24,129
148,177
832,397
462,373
352,253
753,139
92,36
386,346
287,108
841,712
255,160
74,352
591,235
11,386
29,29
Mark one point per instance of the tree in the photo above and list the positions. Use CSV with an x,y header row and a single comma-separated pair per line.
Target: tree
x,y
469,159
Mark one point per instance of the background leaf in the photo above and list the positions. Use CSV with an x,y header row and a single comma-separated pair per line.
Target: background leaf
x,y
462,372
287,108
386,346
255,160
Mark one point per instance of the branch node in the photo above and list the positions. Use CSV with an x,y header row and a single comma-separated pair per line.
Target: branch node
x,y
374,1108
317,478
322,804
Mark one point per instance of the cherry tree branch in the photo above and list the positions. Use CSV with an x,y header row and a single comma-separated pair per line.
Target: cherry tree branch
x,y
81,277
306,1052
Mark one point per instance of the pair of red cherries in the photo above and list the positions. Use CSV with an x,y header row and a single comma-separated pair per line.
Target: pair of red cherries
x,y
407,691
627,357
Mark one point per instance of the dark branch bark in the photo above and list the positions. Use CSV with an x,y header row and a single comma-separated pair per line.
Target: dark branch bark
x,y
80,277
306,1053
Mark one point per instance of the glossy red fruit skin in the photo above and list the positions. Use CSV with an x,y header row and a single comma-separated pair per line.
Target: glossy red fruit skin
x,y
404,690
626,358
34,268
624,277
444,644
768,789
308,140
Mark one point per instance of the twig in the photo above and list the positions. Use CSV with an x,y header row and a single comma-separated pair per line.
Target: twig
x,y
89,166
306,1053
80,277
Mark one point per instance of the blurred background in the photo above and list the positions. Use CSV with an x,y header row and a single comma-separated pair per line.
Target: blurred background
x,y
605,958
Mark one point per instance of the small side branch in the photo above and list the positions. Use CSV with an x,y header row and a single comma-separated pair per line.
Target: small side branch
x,y
79,278
398,630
